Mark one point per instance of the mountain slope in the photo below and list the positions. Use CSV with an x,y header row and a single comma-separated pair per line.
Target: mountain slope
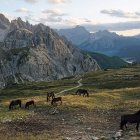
x,y
37,53
105,61
109,43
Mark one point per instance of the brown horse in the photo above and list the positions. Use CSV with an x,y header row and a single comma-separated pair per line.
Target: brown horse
x,y
82,91
130,118
55,100
14,103
50,95
30,103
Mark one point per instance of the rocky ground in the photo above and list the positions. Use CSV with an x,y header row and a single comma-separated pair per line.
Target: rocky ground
x,y
71,124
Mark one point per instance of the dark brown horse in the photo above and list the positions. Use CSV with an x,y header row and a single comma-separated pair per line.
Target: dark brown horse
x,y
30,103
55,100
130,118
50,95
82,92
14,103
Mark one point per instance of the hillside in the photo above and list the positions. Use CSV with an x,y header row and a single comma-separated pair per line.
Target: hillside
x,y
112,93
106,61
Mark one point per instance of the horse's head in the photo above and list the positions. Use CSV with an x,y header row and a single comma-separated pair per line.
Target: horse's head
x,y
138,113
10,105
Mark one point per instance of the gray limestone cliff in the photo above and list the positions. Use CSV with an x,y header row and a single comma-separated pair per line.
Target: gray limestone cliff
x,y
37,53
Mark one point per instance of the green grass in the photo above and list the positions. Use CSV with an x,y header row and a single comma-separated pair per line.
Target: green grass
x,y
115,89
102,84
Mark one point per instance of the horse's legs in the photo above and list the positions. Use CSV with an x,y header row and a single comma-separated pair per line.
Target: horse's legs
x,y
125,126
137,126
47,99
61,102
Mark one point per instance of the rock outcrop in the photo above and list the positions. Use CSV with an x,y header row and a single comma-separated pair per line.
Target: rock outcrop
x,y
37,53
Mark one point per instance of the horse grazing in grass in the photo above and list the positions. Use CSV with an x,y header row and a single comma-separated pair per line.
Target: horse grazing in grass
x,y
82,91
14,103
130,118
55,100
49,95
30,103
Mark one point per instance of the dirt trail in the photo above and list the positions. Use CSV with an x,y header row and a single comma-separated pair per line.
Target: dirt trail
x,y
63,91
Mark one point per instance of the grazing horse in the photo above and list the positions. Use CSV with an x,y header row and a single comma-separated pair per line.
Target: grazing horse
x,y
14,103
54,100
130,118
30,103
82,91
49,95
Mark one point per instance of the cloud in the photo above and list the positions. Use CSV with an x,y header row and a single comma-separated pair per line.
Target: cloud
x,y
55,13
31,1
121,14
22,10
76,21
120,26
58,1
47,16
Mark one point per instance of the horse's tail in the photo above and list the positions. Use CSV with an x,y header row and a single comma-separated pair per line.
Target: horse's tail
x,y
121,125
20,104
53,96
34,104
61,100
10,106
122,122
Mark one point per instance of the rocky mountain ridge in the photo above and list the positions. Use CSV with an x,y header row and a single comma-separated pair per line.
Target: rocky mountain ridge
x,y
38,53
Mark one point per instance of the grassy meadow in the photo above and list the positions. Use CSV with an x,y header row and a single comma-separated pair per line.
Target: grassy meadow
x,y
113,92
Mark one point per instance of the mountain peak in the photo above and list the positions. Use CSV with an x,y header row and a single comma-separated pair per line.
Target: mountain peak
x,y
20,24
77,35
80,28
104,34
3,20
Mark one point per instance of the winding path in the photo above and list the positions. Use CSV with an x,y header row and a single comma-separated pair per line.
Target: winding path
x,y
63,91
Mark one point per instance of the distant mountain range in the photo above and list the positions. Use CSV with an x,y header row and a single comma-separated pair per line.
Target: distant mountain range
x,y
105,42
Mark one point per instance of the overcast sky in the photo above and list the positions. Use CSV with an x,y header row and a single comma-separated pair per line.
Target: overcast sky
x,y
122,16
